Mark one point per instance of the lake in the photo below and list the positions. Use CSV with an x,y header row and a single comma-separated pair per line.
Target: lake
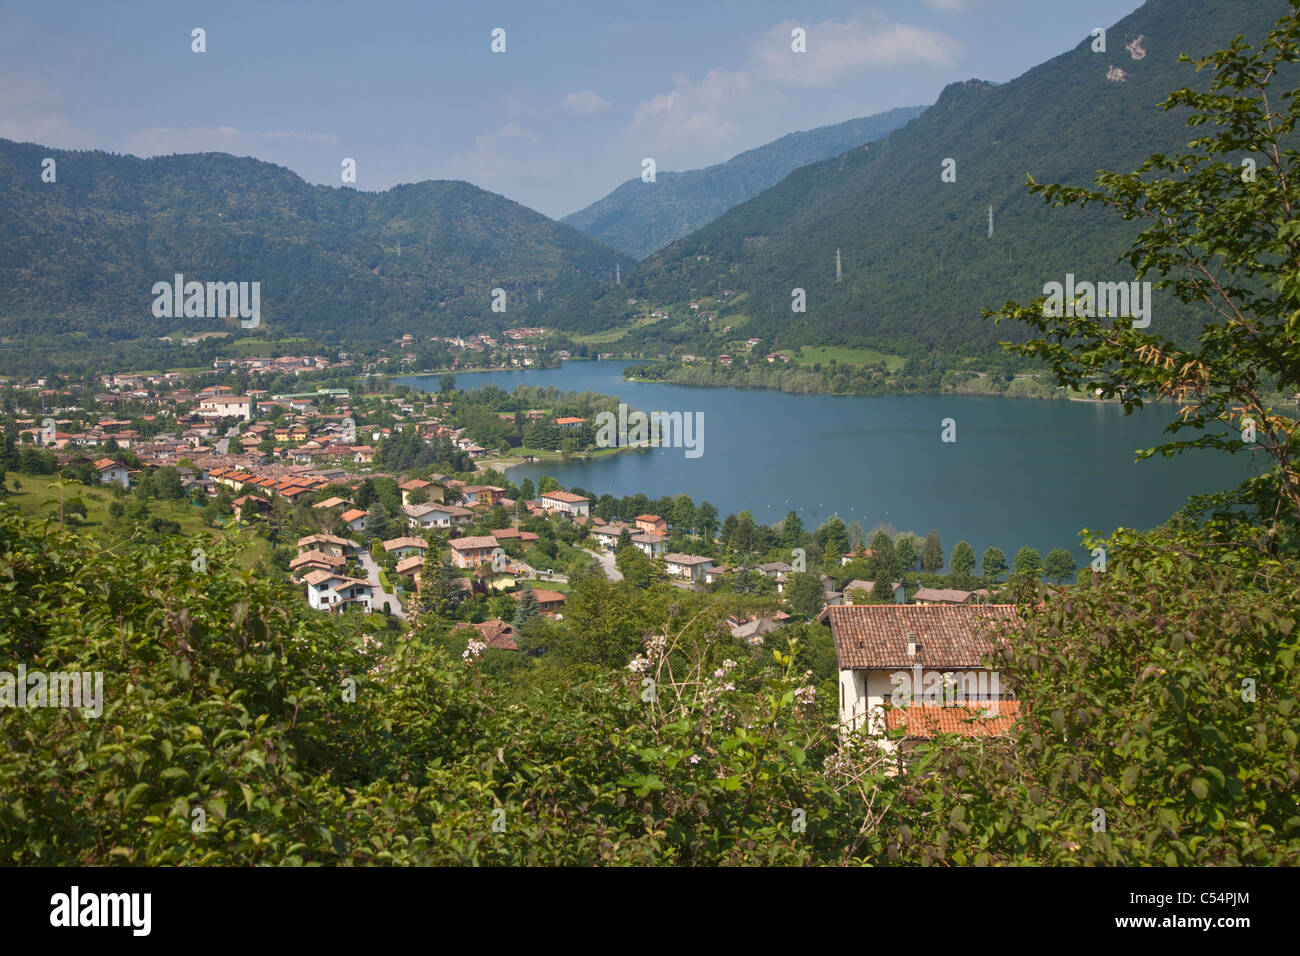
x,y
1021,471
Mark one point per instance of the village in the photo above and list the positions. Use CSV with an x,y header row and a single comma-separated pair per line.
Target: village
x,y
307,470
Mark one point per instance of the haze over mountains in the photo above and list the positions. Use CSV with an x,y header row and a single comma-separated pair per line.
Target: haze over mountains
x,y
918,263
640,217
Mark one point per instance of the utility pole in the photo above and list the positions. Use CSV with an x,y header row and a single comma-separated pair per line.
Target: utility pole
x,y
839,271
990,220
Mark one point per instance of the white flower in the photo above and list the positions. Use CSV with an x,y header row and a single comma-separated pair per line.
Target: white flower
x,y
806,695
639,665
696,758
473,650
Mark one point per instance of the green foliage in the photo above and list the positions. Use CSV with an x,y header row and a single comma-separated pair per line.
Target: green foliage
x,y
1059,565
962,562
1028,561
932,552
993,564
804,592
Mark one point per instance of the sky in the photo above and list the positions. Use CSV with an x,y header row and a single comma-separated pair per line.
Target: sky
x,y
583,92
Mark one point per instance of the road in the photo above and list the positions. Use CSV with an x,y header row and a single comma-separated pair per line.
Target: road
x,y
607,562
222,446
381,596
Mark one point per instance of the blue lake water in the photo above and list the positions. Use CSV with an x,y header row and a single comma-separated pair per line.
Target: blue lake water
x,y
1021,471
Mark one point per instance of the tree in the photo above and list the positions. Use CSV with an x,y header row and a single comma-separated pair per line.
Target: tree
x,y
993,564
1028,561
1223,239
932,552
706,519
526,490
905,552
624,540
528,608
683,514
857,537
792,530
446,385
805,593
637,569
377,521
744,539
1059,565
962,562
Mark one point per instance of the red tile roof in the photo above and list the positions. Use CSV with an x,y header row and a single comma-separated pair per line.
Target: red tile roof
x,y
871,636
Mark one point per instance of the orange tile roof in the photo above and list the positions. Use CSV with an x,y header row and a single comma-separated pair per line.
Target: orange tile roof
x,y
974,719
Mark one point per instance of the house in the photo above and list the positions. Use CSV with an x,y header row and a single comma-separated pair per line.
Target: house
x,y
866,591
331,503
472,551
900,656
652,545
689,566
777,571
436,516
405,547
410,567
942,596
608,535
752,631
354,518
232,406
566,503
246,507
551,603
568,424
651,524
329,543
433,492
717,571
330,591
525,538
317,561
112,473
496,634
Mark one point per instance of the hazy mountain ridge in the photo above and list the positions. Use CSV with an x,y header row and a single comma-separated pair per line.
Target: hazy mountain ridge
x,y
640,217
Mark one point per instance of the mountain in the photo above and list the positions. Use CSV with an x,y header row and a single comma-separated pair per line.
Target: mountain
x,y
918,263
640,217
82,253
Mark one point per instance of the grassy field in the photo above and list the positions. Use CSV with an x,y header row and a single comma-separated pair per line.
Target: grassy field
x,y
36,489
846,356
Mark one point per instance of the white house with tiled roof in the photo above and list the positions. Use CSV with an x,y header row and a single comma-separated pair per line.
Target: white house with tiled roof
x,y
567,503
921,659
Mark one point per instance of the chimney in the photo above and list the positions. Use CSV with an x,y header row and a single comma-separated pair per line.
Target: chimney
x,y
900,594
911,645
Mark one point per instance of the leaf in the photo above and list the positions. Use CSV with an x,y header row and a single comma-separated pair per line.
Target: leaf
x,y
1200,788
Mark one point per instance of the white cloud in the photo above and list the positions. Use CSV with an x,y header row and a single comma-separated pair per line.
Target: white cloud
x,y
837,49
585,102
710,112
509,150
948,6
699,113
162,140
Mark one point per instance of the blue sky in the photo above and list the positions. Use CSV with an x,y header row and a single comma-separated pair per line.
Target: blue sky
x,y
412,91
